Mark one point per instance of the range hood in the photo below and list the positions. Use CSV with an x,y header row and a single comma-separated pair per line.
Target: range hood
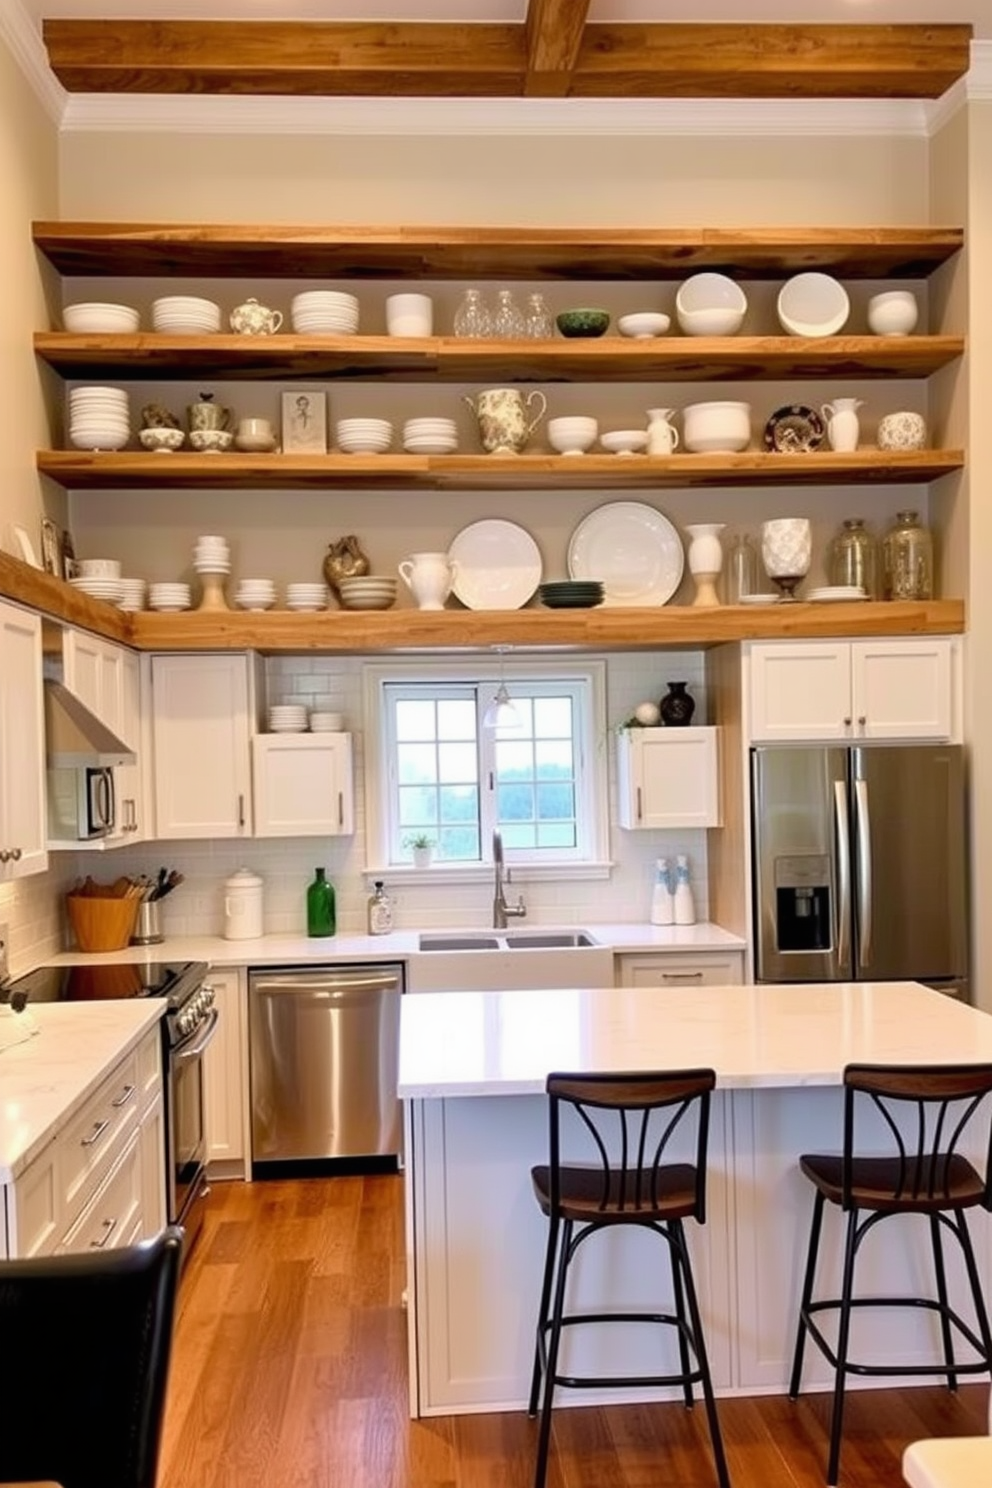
x,y
75,736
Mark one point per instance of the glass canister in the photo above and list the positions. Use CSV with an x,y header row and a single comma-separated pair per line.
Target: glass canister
x,y
854,557
907,559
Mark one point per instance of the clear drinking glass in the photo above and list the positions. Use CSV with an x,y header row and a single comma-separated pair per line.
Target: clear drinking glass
x,y
907,559
472,318
854,557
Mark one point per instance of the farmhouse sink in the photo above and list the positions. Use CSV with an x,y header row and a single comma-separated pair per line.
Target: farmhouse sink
x,y
500,960
549,940
460,943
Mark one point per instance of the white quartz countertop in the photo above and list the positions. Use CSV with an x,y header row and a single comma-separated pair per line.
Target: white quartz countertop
x,y
506,1043
46,1078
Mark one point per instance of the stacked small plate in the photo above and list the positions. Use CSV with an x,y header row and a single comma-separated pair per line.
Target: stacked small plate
x,y
170,598
324,312
326,723
255,594
99,418
132,594
287,718
185,315
430,436
836,593
94,317
110,590
364,436
212,555
369,592
571,594
306,596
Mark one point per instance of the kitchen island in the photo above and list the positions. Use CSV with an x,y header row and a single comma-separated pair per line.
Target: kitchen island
x,y
472,1075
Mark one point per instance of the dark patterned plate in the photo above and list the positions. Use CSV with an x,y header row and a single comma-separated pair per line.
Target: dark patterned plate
x,y
794,430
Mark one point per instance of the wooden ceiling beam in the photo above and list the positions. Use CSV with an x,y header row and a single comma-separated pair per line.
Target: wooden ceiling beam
x,y
554,53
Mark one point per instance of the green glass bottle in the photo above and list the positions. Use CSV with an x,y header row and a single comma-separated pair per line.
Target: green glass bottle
x,y
321,919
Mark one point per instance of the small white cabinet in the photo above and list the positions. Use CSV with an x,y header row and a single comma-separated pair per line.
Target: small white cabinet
x,y
303,785
224,1076
680,969
202,720
23,826
106,678
668,777
852,691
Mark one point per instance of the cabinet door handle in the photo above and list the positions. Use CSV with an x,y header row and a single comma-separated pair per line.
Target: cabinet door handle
x,y
124,1097
95,1134
638,803
241,811
15,854
109,1226
862,721
4,855
847,722
340,808
681,976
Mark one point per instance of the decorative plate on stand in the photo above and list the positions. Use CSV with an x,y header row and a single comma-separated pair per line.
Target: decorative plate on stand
x,y
794,430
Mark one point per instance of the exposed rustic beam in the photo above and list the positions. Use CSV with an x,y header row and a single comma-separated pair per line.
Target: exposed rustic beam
x,y
552,53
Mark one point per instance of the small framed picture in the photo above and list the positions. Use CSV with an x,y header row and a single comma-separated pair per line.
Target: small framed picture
x,y
304,422
51,548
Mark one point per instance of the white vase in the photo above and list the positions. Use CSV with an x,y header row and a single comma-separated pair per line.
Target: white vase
x,y
705,560
786,549
843,425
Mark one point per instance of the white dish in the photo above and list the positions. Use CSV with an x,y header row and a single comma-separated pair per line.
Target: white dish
x,y
759,599
633,549
836,593
498,565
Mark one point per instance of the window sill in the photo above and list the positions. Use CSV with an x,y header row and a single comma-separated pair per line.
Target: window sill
x,y
471,873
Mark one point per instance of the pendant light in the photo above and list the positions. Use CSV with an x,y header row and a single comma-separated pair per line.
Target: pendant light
x,y
501,714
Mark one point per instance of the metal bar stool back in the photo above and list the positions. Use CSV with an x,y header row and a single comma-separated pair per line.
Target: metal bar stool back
x,y
629,1124
927,1126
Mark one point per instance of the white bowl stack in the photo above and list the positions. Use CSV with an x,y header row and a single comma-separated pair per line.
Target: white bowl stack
x,y
99,586
288,718
306,596
255,594
364,436
367,592
96,317
430,436
99,418
132,594
185,315
324,312
322,722
212,555
168,597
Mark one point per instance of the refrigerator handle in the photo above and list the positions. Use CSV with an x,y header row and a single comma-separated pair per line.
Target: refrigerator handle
x,y
862,818
843,871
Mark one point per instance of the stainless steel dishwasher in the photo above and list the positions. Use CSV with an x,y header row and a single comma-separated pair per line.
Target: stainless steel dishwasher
x,y
324,1065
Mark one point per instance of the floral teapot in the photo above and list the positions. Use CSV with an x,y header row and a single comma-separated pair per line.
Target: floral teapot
x,y
254,319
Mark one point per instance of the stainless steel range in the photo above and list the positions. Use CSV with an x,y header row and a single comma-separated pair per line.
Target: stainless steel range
x,y
187,1028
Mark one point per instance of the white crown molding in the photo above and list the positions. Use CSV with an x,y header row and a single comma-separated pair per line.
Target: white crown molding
x,y
979,77
26,47
975,86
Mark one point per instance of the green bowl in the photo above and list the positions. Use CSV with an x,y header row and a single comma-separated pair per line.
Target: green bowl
x,y
584,322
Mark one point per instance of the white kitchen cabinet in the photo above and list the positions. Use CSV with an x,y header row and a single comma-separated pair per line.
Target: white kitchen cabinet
x,y
668,777
303,785
105,677
224,1076
202,720
853,691
680,969
23,824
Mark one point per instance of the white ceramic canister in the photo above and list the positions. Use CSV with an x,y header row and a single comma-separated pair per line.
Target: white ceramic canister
x,y
243,916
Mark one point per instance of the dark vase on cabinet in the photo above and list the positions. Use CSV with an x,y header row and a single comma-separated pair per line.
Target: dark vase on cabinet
x,y
677,706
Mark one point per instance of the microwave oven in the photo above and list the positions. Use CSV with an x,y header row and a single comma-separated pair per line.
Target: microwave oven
x,y
82,802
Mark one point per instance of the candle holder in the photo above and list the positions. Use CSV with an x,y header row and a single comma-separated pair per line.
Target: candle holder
x,y
786,549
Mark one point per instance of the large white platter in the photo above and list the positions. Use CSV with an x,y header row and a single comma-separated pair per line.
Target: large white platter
x,y
498,565
633,549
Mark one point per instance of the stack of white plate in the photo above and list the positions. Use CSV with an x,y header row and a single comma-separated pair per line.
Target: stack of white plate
x,y
170,598
430,436
110,590
95,317
306,596
368,592
255,594
364,436
212,555
287,718
132,594
99,418
326,723
325,312
836,593
185,315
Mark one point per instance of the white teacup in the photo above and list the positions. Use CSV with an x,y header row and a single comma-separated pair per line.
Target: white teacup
x,y
255,434
409,315
429,577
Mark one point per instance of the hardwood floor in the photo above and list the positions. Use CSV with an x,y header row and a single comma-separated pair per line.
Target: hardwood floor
x,y
290,1368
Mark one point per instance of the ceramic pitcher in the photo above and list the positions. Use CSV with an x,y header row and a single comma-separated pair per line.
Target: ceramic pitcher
x,y
663,437
504,427
842,423
429,577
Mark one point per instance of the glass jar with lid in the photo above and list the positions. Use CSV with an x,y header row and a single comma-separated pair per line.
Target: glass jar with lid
x,y
907,559
854,557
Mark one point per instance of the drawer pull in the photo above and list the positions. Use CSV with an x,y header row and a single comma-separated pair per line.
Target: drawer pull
x,y
95,1134
124,1096
681,976
109,1226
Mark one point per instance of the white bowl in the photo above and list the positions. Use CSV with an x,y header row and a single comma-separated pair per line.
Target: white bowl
x,y
211,441
97,317
643,324
710,304
624,441
813,304
94,440
572,435
161,440
255,444
99,568
709,428
893,313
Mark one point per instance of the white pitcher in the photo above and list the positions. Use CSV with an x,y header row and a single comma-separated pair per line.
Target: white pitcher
x,y
663,437
429,577
843,427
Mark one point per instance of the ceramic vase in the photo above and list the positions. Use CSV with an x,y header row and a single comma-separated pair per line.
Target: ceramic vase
x,y
705,560
843,426
663,437
429,577
677,706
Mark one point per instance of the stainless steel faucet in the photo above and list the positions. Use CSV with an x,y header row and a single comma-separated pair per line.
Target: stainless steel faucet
x,y
502,912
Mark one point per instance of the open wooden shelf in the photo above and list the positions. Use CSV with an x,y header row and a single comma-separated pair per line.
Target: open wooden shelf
x,y
80,470
124,249
439,358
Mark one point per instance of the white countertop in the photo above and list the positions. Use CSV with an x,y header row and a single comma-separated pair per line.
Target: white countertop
x,y
506,1043
46,1078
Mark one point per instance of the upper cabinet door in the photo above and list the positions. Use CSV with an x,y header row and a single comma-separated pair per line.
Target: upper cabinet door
x,y
903,689
800,690
22,746
104,677
668,777
200,732
303,785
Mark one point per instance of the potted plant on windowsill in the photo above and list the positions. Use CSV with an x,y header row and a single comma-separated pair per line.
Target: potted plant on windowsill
x,y
422,847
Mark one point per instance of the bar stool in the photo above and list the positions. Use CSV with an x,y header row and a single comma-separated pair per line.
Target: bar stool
x,y
628,1120
922,1115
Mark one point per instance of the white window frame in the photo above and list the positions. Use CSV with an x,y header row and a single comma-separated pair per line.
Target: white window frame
x,y
591,861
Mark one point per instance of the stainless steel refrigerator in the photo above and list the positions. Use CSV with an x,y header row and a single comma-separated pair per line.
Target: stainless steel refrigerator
x,y
860,864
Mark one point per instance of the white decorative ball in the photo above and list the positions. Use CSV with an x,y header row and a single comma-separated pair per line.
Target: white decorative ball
x,y
647,713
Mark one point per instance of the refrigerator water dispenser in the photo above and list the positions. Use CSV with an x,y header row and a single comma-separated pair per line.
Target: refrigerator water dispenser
x,y
802,903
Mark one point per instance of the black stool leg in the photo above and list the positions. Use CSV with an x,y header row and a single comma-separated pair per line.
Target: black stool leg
x,y
843,1334
551,1367
812,1251
976,1286
937,1246
542,1316
679,1293
680,1257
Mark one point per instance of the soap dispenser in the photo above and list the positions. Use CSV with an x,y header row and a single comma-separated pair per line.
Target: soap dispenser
x,y
685,908
380,911
662,904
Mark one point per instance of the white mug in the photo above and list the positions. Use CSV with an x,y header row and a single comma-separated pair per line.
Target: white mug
x,y
429,577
